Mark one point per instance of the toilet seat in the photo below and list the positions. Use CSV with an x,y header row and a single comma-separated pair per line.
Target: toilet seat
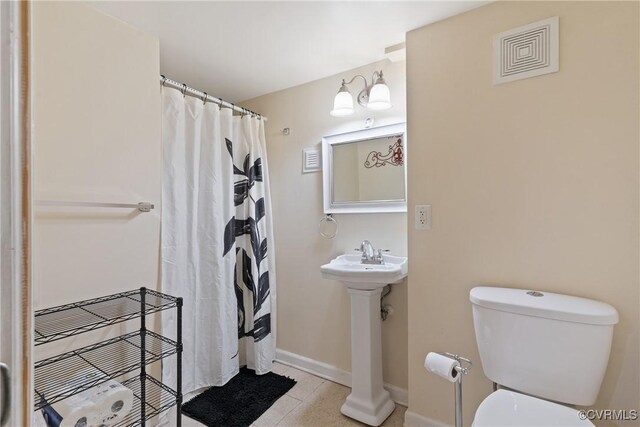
x,y
508,408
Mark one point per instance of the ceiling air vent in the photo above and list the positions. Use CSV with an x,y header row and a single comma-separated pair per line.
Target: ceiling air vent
x,y
528,51
311,160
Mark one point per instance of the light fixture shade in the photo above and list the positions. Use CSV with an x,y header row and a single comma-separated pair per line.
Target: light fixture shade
x,y
379,97
343,103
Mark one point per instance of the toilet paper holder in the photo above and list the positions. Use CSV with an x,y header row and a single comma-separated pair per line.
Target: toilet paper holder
x,y
462,370
460,359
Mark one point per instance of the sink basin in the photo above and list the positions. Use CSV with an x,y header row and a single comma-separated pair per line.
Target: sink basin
x,y
349,269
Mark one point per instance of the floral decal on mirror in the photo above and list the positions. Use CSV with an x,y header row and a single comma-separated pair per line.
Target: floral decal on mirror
x,y
395,156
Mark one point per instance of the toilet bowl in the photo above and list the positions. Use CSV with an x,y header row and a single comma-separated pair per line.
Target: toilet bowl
x,y
545,350
506,408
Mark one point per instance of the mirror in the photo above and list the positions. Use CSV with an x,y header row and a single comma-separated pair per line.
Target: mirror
x,y
364,171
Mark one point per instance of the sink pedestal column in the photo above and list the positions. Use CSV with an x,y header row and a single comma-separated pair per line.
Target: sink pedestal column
x,y
368,402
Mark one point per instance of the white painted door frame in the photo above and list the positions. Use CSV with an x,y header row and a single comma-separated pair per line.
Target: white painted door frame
x,y
16,312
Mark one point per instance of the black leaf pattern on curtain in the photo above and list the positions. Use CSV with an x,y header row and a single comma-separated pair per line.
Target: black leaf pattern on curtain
x,y
262,251
229,235
255,173
245,165
260,295
262,327
239,299
254,234
247,277
252,174
240,192
229,145
235,228
259,210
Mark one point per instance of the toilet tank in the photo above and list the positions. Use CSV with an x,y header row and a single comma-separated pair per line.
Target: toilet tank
x,y
548,345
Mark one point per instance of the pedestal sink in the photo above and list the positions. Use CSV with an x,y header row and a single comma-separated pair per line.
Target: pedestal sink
x,y
368,402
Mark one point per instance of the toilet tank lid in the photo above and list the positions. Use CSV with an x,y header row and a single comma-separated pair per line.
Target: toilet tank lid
x,y
545,304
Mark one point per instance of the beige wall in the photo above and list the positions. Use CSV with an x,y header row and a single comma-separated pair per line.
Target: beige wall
x,y
97,138
313,313
534,184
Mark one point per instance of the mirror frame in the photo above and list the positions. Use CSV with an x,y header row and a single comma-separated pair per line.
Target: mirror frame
x,y
374,206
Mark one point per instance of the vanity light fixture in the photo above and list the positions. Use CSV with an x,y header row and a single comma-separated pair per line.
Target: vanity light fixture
x,y
374,96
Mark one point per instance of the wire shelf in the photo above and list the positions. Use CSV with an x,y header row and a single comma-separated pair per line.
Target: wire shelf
x,y
63,321
104,360
158,397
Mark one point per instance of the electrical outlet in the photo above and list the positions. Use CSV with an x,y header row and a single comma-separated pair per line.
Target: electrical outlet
x,y
423,217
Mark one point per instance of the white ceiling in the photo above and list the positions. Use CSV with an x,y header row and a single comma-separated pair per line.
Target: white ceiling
x,y
238,50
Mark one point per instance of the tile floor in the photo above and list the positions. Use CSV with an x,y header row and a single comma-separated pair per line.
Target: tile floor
x,y
312,402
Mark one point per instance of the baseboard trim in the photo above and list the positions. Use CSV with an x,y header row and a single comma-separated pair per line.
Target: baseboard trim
x,y
398,395
333,373
412,419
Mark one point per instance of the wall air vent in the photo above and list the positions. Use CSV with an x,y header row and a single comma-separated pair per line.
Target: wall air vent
x,y
311,160
527,51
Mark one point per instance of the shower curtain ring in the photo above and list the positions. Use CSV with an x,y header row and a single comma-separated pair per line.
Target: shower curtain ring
x,y
164,79
184,90
204,98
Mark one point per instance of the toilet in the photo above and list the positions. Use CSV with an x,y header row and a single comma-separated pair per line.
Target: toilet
x,y
546,351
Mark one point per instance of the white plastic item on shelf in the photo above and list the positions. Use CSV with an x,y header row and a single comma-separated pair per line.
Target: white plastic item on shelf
x,y
76,411
102,405
113,402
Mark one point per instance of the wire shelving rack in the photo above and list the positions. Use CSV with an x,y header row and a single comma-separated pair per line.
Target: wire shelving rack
x,y
111,358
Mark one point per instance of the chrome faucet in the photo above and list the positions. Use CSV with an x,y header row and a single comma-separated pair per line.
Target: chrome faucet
x,y
369,255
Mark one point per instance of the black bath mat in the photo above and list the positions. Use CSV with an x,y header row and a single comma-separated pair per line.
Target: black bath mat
x,y
239,402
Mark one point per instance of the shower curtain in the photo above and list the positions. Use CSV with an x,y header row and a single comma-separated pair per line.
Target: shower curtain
x,y
217,241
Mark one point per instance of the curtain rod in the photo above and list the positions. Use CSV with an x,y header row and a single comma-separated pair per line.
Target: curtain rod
x,y
186,90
